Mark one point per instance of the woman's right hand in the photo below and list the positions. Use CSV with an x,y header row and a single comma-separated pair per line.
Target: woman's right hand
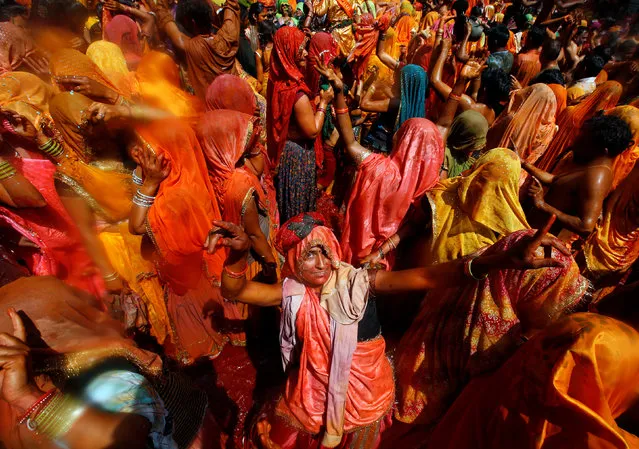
x,y
18,125
372,259
330,75
155,168
227,234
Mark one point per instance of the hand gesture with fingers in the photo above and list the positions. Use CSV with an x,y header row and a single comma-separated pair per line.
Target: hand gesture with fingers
x,y
155,168
14,123
536,192
226,234
329,73
514,83
113,5
86,86
16,385
523,254
473,68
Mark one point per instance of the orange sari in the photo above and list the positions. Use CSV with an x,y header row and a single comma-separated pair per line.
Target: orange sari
x,y
461,332
562,97
562,389
159,86
108,191
624,163
570,121
226,137
528,124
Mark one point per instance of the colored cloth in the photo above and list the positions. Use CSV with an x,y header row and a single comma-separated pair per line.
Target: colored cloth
x,y
16,47
563,388
526,66
26,87
185,205
120,391
285,81
477,209
61,251
581,88
463,331
570,121
107,191
405,28
624,163
322,45
331,363
366,35
466,136
385,187
296,180
528,124
68,62
502,60
110,60
339,13
123,31
561,95
158,79
613,247
414,83
208,56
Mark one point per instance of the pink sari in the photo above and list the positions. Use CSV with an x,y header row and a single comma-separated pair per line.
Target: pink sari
x,y
61,252
385,187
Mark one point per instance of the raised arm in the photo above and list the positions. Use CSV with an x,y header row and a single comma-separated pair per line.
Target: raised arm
x,y
344,125
310,123
462,51
544,177
367,104
384,57
521,256
235,286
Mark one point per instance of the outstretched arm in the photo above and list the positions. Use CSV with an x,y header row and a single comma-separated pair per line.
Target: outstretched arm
x,y
544,177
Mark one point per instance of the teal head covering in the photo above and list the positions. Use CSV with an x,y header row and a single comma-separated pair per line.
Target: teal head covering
x,y
414,83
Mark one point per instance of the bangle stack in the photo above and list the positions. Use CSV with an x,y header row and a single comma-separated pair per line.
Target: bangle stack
x,y
391,244
235,275
469,272
37,405
51,147
322,110
6,170
56,417
142,200
136,179
111,277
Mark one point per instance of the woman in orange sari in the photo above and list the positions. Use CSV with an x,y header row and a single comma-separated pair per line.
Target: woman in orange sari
x,y
405,28
563,388
570,121
561,94
463,331
228,137
527,126
174,207
158,79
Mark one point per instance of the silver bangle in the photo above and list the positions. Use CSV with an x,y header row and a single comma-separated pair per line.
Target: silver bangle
x,y
146,197
142,200
136,179
111,277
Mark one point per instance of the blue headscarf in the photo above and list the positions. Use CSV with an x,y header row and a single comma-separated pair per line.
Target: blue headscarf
x,y
414,83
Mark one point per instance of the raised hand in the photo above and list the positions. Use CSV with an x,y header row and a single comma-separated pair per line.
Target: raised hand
x,y
17,387
536,192
473,68
113,5
370,260
227,234
523,254
329,73
86,86
514,83
154,167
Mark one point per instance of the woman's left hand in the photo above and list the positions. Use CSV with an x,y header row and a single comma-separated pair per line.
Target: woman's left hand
x,y
515,84
155,167
330,75
229,235
100,112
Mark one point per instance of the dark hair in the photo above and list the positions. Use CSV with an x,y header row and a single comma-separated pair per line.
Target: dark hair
x,y
551,49
536,37
498,36
629,45
610,132
266,30
460,6
254,11
552,76
476,11
496,83
592,65
9,12
198,12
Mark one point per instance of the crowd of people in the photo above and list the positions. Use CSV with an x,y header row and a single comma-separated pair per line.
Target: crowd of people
x,y
319,224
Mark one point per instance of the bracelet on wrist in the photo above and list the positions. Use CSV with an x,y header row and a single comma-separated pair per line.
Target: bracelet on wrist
x,y
111,276
234,274
36,406
391,243
469,272
142,200
341,111
6,170
322,110
136,179
57,417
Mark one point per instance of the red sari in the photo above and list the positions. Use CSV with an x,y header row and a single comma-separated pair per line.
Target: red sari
x,y
61,251
385,187
178,223
226,136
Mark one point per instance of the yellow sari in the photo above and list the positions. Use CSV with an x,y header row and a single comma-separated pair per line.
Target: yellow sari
x,y
110,60
25,87
476,209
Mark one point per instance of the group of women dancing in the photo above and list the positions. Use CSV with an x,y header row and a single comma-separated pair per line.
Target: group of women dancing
x,y
327,224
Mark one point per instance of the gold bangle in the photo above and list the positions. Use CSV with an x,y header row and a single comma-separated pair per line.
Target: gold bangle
x,y
6,170
56,418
